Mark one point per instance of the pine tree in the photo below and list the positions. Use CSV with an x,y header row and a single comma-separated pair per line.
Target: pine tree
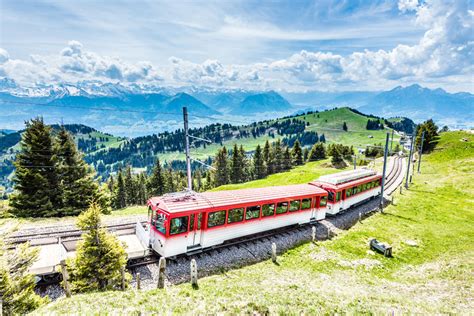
x,y
258,163
120,192
305,154
322,138
221,173
297,154
17,286
317,152
170,182
246,170
431,135
142,194
287,160
198,182
278,154
268,158
236,168
156,182
77,183
36,179
344,127
336,156
111,184
130,187
100,256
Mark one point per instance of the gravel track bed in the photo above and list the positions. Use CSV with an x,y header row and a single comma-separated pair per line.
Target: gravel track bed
x,y
236,256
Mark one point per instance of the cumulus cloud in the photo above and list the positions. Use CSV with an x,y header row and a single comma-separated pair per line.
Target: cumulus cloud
x,y
444,51
4,56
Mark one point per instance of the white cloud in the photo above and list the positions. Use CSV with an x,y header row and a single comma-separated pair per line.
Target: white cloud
x,y
4,56
443,54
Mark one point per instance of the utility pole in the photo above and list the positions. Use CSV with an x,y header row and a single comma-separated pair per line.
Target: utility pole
x,y
421,150
188,158
409,159
384,169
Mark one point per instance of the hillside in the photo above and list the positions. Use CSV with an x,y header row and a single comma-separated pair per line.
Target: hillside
x,y
108,153
429,228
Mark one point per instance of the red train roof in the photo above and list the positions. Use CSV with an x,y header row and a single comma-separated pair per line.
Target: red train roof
x,y
345,185
182,202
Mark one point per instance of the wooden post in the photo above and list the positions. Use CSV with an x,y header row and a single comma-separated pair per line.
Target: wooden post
x,y
139,284
194,273
410,178
401,188
67,289
274,252
313,233
122,272
393,199
161,273
360,217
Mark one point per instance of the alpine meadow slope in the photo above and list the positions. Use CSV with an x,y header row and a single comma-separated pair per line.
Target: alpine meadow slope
x,y
430,271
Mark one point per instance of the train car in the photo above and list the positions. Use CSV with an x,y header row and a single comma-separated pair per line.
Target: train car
x,y
189,222
349,188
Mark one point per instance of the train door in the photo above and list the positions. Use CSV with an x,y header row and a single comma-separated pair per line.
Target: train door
x,y
195,225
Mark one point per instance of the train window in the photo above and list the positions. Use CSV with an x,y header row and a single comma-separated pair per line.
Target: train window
x,y
216,219
236,215
268,209
338,196
295,205
348,192
323,201
159,222
252,212
331,196
282,207
305,204
179,225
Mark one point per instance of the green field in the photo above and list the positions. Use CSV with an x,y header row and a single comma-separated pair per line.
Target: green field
x,y
429,227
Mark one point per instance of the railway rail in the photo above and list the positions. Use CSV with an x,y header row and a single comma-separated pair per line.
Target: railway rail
x,y
344,220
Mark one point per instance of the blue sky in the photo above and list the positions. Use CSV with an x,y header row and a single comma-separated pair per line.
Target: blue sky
x,y
283,45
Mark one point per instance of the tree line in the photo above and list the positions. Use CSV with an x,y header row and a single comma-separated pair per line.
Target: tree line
x,y
51,177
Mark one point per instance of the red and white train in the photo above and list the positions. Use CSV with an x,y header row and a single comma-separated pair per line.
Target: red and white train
x,y
185,223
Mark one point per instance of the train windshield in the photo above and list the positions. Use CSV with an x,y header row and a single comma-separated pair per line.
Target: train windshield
x,y
160,222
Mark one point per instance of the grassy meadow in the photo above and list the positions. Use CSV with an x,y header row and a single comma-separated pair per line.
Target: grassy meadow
x,y
431,272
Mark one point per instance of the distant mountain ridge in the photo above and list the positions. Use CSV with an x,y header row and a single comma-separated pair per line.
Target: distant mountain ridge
x,y
55,102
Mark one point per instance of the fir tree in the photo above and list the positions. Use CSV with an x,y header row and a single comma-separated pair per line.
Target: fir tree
x,y
246,170
221,173
77,183
111,184
336,155
130,187
258,163
170,183
198,182
431,135
287,160
322,138
278,154
17,286
318,152
268,158
36,179
305,154
344,127
142,194
236,169
156,182
100,256
120,192
297,154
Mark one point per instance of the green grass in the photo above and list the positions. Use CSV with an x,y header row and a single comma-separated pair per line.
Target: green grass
x,y
342,275
301,174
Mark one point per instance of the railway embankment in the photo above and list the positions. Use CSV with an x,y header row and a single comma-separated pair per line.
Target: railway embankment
x,y
429,228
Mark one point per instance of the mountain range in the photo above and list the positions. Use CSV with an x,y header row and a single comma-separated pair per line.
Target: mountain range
x,y
141,109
